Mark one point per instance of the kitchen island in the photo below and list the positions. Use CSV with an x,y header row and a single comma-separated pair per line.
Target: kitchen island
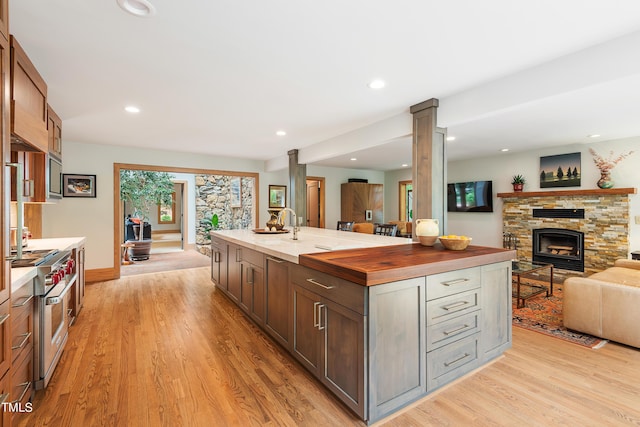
x,y
380,321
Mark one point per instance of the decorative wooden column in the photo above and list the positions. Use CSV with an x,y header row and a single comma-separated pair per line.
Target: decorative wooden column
x,y
297,186
429,164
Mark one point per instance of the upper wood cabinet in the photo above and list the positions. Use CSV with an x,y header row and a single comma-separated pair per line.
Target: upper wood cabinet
x,y
359,199
4,18
54,128
28,101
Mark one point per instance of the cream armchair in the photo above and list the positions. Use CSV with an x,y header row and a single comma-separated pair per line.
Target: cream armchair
x,y
605,304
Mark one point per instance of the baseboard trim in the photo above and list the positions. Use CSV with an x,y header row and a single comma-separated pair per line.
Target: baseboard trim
x,y
100,275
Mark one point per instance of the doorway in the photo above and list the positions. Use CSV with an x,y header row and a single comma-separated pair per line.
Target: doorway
x,y
405,197
168,233
315,201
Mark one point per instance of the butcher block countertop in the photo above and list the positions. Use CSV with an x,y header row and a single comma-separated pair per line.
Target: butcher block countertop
x,y
374,266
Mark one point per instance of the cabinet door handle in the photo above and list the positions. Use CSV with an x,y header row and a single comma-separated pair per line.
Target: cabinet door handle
x,y
25,338
455,305
250,270
279,261
3,318
464,356
315,315
238,255
453,331
320,325
27,187
23,303
24,391
319,284
455,282
216,257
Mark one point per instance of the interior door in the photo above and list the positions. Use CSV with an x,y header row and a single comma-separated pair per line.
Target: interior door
x,y
313,203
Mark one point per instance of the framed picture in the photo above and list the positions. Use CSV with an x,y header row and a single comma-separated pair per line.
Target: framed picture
x,y
277,196
236,192
562,170
78,185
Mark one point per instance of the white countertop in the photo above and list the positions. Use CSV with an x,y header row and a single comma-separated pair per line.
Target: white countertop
x,y
310,240
21,276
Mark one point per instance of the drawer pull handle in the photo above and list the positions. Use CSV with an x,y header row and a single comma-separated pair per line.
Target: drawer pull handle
x,y
216,257
320,284
320,325
455,305
279,261
3,398
23,303
3,318
447,364
455,282
25,338
26,386
316,324
238,255
453,331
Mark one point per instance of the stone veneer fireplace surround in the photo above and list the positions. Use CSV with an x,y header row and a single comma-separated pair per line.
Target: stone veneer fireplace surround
x,y
605,225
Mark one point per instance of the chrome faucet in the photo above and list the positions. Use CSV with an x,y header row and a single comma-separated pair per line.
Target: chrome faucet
x,y
295,221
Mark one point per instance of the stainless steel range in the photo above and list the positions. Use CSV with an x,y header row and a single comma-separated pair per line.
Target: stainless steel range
x,y
55,277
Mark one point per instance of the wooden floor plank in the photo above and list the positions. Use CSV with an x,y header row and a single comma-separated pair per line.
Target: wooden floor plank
x,y
166,349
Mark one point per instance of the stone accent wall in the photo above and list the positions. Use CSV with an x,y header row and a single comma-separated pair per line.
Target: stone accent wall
x,y
213,196
605,226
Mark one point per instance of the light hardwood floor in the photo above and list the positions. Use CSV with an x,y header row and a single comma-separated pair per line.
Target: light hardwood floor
x,y
166,349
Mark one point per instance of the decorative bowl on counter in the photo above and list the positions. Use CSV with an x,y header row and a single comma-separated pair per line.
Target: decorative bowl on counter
x,y
455,243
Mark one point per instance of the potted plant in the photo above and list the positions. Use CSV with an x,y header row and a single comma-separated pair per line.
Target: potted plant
x,y
518,182
142,190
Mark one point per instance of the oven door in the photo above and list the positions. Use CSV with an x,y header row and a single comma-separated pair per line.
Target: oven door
x,y
54,328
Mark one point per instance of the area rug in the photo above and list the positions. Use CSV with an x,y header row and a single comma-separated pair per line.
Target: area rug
x,y
544,315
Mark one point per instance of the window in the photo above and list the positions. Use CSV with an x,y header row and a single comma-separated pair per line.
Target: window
x,y
166,213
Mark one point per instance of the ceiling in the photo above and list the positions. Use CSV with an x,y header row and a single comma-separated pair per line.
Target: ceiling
x,y
222,77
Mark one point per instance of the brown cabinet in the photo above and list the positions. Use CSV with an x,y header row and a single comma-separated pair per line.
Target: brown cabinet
x,y
328,337
252,291
362,202
234,277
54,130
4,18
5,337
28,101
33,180
277,293
219,257
22,310
80,281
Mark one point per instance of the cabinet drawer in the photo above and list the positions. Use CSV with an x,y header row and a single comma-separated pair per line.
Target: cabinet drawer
x,y
452,282
22,301
22,379
445,308
452,330
252,257
343,292
451,361
22,333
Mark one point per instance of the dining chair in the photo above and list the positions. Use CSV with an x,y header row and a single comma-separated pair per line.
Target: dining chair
x,y
386,229
345,226
363,227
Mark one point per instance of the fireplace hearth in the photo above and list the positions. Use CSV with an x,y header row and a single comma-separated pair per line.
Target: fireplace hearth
x,y
558,246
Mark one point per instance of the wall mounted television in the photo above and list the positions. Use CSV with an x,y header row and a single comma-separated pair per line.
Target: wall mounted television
x,y
473,196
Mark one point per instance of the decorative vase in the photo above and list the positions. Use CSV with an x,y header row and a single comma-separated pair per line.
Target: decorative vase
x,y
518,187
605,180
427,231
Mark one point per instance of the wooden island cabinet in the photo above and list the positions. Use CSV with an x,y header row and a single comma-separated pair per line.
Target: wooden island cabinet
x,y
379,326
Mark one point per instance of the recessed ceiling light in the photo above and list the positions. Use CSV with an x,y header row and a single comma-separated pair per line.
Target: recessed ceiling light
x,y
281,133
377,84
451,138
595,135
504,150
404,165
131,109
141,8
353,159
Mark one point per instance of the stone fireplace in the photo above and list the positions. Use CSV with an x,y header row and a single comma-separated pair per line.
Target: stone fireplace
x,y
558,246
598,218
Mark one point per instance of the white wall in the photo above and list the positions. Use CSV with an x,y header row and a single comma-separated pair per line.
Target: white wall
x,y
486,228
391,196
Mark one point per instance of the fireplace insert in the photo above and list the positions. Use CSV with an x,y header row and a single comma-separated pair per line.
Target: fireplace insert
x,y
559,246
